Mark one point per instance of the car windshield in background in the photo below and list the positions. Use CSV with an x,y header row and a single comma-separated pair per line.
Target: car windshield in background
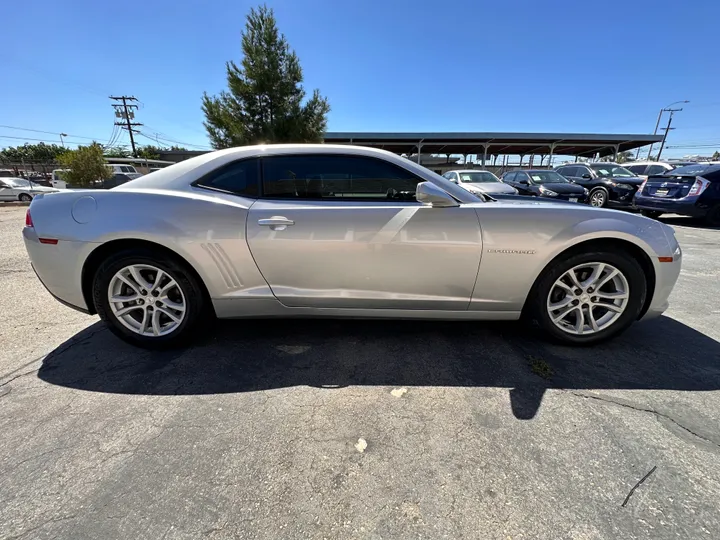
x,y
478,177
547,177
16,182
611,170
692,170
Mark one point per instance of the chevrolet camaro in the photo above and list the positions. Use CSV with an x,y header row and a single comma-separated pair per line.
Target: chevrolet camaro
x,y
340,231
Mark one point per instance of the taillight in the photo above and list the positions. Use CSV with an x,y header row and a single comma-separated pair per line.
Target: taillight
x,y
699,186
28,219
642,186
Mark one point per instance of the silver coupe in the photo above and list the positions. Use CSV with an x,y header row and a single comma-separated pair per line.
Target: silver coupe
x,y
340,231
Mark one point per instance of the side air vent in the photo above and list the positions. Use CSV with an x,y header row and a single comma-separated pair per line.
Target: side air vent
x,y
224,265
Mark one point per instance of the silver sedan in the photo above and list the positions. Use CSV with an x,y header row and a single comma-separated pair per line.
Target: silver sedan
x,y
340,231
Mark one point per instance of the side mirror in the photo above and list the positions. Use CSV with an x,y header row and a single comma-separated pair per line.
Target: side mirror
x,y
524,182
429,193
586,175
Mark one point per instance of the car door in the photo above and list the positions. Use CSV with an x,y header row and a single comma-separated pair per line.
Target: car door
x,y
509,179
7,192
345,231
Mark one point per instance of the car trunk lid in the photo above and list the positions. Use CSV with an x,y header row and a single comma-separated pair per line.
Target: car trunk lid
x,y
668,186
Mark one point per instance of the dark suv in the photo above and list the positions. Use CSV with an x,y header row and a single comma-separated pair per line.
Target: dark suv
x,y
608,183
693,190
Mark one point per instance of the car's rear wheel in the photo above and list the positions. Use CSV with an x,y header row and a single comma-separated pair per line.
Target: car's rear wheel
x,y
589,297
24,197
651,214
148,299
598,197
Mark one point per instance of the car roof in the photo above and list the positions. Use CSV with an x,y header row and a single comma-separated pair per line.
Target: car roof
x,y
629,163
467,170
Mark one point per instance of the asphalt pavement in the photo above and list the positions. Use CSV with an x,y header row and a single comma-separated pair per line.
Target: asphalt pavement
x,y
359,429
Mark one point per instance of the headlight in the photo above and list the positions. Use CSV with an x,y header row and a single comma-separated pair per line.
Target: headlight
x,y
548,192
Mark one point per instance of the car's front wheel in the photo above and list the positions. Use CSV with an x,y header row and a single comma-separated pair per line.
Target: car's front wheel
x,y
589,297
148,299
598,197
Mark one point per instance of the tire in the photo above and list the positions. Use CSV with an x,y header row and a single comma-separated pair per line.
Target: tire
x,y
189,293
652,214
24,197
540,297
598,197
712,218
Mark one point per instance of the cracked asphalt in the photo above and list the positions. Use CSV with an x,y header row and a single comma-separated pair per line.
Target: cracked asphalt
x,y
359,429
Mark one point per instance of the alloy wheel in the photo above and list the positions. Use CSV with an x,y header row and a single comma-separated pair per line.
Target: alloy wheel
x,y
147,300
597,199
588,298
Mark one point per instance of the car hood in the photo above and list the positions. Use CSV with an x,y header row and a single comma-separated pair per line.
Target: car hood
x,y
564,187
490,187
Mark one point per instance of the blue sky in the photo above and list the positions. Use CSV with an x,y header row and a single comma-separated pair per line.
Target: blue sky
x,y
392,65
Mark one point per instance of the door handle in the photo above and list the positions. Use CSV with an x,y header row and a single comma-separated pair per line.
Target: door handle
x,y
276,223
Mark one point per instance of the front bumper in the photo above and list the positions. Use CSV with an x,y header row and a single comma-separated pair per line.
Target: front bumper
x,y
622,197
683,207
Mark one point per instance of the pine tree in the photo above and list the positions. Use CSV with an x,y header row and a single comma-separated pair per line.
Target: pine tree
x,y
264,99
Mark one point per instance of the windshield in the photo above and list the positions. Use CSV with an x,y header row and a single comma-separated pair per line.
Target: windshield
x,y
691,170
607,170
479,177
547,177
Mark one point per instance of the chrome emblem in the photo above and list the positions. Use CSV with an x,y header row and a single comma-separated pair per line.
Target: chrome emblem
x,y
664,184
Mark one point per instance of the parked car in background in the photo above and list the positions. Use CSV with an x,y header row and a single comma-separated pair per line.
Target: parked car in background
x,y
608,183
643,169
7,173
545,183
479,181
56,179
127,170
297,230
19,189
693,190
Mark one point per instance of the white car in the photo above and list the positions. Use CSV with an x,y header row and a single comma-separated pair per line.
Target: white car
x,y
19,189
476,181
127,170
643,169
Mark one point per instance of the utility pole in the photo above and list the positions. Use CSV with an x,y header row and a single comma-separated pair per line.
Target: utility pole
x,y
667,130
126,112
657,125
61,139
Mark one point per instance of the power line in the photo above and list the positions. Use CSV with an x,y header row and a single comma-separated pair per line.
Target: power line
x,y
37,140
48,132
170,142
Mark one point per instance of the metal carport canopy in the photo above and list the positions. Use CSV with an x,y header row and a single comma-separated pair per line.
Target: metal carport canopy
x,y
569,144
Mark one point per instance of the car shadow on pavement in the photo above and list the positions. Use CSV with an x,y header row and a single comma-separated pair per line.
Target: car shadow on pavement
x,y
243,356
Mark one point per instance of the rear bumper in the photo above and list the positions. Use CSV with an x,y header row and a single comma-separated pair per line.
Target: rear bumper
x,y
59,267
683,207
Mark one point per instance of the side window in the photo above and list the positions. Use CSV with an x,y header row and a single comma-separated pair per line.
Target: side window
x,y
509,177
239,177
654,169
454,178
579,171
520,177
568,171
336,177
